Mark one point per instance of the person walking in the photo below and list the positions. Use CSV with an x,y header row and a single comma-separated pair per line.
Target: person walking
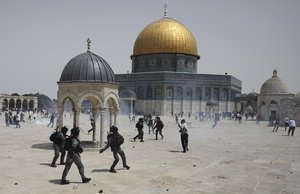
x,y
92,124
140,125
276,124
18,119
114,141
51,120
6,119
176,118
158,126
58,146
74,150
258,119
292,124
150,123
34,116
286,123
184,135
216,119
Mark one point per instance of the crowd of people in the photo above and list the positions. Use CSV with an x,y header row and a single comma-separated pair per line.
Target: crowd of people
x,y
70,147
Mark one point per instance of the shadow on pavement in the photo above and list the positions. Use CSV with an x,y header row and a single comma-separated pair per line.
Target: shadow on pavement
x,y
175,151
44,146
100,170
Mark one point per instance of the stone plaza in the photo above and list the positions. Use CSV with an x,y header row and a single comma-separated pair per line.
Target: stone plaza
x,y
232,158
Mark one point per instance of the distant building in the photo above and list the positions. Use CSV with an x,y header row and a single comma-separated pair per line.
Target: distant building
x,y
87,79
164,78
24,103
290,108
274,99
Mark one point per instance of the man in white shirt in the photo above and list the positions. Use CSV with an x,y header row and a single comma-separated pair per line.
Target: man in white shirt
x,y
184,135
292,128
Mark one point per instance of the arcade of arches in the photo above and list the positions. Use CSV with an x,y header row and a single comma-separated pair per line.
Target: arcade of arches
x,y
102,97
23,103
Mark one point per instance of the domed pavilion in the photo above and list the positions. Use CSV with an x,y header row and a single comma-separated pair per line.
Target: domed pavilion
x,y
271,93
87,76
164,78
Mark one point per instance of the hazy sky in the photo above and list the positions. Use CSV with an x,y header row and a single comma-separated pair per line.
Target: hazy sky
x,y
246,38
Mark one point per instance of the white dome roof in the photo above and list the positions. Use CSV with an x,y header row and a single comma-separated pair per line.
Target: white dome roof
x,y
274,85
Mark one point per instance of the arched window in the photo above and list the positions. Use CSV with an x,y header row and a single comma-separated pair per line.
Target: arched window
x,y
18,104
149,92
31,105
198,93
141,93
158,92
216,94
11,104
224,94
170,92
25,104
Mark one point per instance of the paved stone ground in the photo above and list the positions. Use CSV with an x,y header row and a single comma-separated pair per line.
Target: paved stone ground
x,y
230,159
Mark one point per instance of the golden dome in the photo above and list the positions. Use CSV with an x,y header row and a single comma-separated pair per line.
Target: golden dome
x,y
165,35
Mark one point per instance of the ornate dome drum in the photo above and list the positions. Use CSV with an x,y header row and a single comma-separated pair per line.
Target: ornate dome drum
x,y
165,45
87,67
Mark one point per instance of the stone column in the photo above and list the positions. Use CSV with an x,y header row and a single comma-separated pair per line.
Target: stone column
x,y
110,118
211,93
131,106
21,108
60,115
94,115
35,104
113,113
115,116
102,112
75,118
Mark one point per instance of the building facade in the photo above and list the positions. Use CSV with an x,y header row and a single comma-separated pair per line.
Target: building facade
x,y
272,92
275,100
88,77
23,103
164,78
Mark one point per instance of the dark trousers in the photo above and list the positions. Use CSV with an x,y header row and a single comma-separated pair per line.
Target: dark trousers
x,y
215,124
73,157
140,135
286,125
291,129
57,150
18,124
116,156
184,141
151,128
159,131
276,127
